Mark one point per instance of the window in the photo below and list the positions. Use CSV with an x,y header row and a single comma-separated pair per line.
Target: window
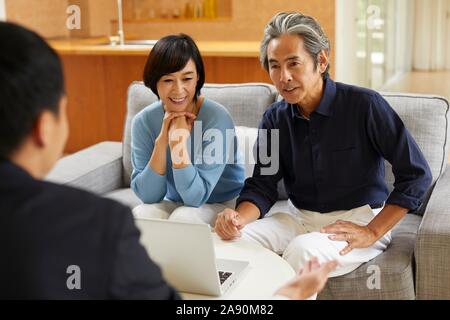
x,y
379,46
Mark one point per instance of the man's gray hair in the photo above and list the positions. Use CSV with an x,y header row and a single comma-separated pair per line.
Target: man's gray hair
x,y
315,40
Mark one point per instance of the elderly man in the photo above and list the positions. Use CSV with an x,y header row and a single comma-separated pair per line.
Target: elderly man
x,y
333,140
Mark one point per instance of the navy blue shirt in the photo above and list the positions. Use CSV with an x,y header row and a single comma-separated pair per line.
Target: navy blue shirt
x,y
335,159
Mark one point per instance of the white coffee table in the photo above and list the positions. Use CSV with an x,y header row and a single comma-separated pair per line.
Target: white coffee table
x,y
267,271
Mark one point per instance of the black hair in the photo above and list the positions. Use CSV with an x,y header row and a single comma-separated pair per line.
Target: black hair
x,y
171,54
31,81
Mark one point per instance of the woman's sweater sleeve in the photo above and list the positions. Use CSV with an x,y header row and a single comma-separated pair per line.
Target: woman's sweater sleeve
x,y
148,185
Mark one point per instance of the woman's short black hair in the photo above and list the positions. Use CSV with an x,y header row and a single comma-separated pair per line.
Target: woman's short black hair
x,y
31,81
171,54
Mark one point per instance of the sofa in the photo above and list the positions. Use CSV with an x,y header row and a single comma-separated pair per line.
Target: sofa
x,y
415,265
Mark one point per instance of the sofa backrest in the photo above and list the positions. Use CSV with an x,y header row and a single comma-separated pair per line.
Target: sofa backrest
x,y
425,116
246,103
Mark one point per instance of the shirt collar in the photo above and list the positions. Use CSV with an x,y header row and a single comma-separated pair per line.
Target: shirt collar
x,y
296,113
326,102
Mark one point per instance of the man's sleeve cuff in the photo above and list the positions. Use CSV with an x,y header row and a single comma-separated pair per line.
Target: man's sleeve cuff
x,y
403,200
258,200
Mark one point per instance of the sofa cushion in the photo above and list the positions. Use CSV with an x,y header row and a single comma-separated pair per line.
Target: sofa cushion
x,y
245,102
395,267
425,116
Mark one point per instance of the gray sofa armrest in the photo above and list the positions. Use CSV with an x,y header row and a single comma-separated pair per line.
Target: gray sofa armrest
x,y
432,251
97,169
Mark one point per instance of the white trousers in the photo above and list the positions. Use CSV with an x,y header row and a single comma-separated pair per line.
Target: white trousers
x,y
295,234
166,209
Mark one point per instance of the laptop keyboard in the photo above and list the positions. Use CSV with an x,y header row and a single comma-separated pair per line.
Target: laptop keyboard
x,y
223,276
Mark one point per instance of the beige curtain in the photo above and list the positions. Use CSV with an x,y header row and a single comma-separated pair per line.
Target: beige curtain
x,y
2,10
432,35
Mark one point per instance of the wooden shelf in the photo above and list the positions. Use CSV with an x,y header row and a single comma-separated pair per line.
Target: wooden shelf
x,y
148,11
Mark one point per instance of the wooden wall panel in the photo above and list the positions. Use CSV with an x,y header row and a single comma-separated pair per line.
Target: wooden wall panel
x,y
96,88
120,71
85,15
46,17
87,112
234,70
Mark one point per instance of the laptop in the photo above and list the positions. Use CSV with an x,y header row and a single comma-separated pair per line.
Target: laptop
x,y
185,253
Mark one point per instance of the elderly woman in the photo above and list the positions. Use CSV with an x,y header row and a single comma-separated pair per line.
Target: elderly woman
x,y
184,148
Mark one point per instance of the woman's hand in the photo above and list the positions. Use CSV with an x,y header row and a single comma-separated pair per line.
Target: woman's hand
x,y
179,130
164,135
158,160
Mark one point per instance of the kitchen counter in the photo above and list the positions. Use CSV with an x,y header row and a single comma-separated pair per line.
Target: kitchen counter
x,y
100,46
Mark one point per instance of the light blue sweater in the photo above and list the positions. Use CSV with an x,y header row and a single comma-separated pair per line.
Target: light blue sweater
x,y
213,176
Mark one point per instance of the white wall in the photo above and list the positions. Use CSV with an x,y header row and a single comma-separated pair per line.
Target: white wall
x,y
345,46
2,10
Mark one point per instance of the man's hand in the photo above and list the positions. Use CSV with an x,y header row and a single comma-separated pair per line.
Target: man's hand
x,y
356,236
228,224
309,281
